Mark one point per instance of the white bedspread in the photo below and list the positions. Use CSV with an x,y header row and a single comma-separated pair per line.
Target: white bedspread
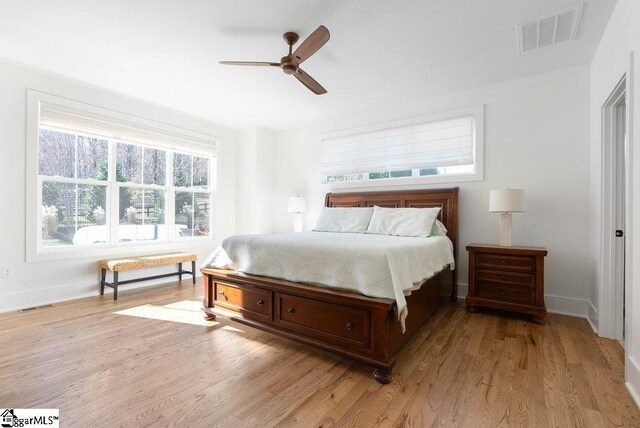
x,y
373,265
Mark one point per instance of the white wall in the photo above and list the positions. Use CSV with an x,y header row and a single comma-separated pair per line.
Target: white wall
x,y
265,181
536,138
255,177
246,176
44,282
612,60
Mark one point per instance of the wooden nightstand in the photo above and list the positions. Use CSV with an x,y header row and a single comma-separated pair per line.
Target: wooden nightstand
x,y
508,278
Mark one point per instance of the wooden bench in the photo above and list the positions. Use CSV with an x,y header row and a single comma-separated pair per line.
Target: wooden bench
x,y
144,262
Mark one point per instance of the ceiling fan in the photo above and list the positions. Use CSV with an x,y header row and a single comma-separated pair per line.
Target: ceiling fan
x,y
290,64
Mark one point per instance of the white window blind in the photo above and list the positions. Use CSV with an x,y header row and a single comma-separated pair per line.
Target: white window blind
x,y
433,144
70,119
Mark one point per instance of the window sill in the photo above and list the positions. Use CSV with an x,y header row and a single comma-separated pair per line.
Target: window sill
x,y
123,250
405,181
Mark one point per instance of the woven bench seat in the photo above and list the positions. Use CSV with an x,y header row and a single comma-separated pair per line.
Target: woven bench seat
x,y
144,262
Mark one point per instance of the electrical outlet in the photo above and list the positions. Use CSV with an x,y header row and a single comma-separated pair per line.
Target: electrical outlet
x,y
7,272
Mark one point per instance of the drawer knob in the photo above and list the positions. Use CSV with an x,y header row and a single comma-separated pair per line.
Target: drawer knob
x,y
503,262
291,310
260,302
221,292
502,292
349,325
503,277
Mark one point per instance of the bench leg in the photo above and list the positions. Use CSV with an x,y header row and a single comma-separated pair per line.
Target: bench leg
x,y
115,286
193,271
103,278
180,272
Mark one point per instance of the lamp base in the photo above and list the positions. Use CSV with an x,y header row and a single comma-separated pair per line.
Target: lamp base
x,y
298,222
505,229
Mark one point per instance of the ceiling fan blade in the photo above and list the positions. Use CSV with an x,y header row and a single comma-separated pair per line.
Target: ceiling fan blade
x,y
309,82
311,44
251,63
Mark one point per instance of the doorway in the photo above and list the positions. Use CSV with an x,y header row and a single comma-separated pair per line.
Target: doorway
x,y
615,213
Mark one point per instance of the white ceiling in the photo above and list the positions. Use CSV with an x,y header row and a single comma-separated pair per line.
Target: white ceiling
x,y
381,52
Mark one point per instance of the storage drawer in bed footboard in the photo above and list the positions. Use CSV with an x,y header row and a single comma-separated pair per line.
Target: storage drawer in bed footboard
x,y
341,325
251,302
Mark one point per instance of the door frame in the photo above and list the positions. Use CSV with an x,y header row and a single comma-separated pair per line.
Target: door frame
x,y
611,298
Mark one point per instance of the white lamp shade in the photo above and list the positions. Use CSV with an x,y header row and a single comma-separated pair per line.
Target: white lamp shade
x,y
297,204
506,200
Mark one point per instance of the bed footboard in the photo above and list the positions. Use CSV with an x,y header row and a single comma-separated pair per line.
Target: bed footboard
x,y
349,324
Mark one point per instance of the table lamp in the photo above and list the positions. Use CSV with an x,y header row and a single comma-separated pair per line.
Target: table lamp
x,y
298,206
506,201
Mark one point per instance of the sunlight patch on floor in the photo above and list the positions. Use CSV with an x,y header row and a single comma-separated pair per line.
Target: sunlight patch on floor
x,y
186,312
186,305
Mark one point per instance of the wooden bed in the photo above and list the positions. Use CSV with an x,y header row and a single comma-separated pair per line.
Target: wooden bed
x,y
363,328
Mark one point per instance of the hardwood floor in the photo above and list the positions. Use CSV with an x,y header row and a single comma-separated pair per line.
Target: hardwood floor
x,y
150,359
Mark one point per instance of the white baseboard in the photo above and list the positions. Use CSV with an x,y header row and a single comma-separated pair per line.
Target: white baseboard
x,y
632,375
566,305
463,290
45,296
555,304
593,325
592,316
63,293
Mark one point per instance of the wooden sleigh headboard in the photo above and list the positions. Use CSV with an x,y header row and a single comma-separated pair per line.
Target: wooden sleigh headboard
x,y
446,199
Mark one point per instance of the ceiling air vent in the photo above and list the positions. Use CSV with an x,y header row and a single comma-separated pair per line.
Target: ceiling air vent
x,y
548,30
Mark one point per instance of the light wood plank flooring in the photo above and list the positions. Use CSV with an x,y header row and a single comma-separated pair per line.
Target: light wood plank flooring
x,y
151,360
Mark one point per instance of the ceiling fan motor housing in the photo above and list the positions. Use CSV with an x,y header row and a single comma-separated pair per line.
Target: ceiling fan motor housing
x,y
289,68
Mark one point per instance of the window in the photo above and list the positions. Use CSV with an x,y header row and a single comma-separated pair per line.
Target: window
x,y
105,182
438,148
142,188
192,203
72,171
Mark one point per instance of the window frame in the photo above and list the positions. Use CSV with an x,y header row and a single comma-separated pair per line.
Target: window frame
x,y
476,111
35,251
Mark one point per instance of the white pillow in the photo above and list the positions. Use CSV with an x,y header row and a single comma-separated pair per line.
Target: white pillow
x,y
402,221
439,229
354,220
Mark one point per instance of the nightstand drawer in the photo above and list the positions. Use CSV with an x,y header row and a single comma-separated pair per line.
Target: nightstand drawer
x,y
508,293
501,262
507,278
